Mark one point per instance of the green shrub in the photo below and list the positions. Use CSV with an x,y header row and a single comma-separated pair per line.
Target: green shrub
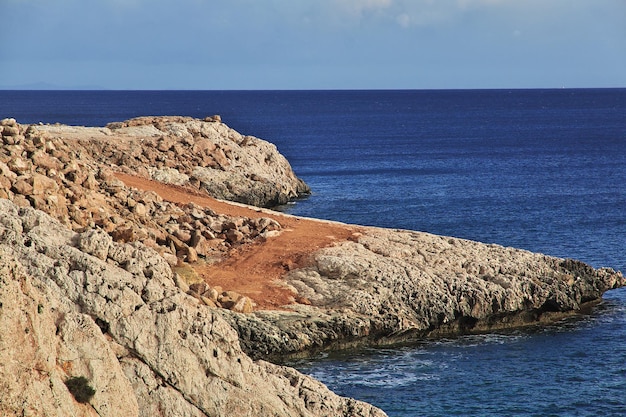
x,y
80,388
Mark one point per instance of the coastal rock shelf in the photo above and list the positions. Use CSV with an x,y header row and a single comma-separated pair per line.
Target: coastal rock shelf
x,y
120,270
390,286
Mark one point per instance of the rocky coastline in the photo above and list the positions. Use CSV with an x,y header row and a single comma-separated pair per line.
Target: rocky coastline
x,y
119,267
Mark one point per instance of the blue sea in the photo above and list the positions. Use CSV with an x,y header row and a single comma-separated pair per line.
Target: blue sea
x,y
543,170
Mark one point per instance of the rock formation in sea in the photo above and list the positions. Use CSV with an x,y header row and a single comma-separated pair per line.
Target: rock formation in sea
x,y
126,290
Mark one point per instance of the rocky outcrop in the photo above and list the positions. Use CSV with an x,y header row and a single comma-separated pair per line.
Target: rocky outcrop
x,y
82,306
59,168
68,173
393,286
181,150
99,297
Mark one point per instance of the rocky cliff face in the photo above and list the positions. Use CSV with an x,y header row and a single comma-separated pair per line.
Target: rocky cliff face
x,y
68,172
98,315
81,306
178,150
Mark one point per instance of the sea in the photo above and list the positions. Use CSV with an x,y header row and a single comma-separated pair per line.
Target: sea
x,y
539,169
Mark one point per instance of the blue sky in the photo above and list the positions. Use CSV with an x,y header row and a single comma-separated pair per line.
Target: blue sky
x,y
312,44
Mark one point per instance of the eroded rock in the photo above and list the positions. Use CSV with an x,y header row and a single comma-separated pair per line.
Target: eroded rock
x,y
144,346
66,172
396,286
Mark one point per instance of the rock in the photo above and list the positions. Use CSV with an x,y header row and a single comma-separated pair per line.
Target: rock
x,y
144,346
171,259
257,174
233,223
204,147
90,182
140,209
123,234
8,122
182,235
203,246
95,243
10,131
234,236
112,186
228,299
180,283
199,287
176,244
213,293
195,238
197,213
6,172
400,286
21,201
378,287
18,165
266,224
5,186
43,185
43,160
213,119
44,345
169,176
165,144
22,186
209,302
81,340
243,305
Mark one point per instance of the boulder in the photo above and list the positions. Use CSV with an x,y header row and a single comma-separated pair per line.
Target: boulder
x,y
192,255
95,243
243,305
19,165
46,161
22,186
9,121
228,299
169,176
234,236
44,185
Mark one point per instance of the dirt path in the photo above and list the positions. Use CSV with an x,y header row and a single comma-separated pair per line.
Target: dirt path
x,y
254,270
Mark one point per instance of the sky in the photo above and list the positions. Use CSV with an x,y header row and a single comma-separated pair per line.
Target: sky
x,y
312,44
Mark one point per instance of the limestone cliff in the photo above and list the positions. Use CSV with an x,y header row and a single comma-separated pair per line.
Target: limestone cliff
x,y
118,320
116,281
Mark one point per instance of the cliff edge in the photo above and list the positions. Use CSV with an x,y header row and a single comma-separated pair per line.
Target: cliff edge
x,y
91,327
121,273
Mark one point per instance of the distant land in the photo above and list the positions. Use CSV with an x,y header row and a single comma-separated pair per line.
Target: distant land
x,y
49,86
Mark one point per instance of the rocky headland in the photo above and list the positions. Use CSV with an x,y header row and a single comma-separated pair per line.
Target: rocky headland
x,y
128,286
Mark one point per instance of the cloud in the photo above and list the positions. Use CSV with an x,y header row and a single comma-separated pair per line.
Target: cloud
x,y
404,13
359,7
464,4
404,20
325,39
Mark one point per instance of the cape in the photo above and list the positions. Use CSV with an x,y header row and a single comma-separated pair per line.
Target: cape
x,y
142,274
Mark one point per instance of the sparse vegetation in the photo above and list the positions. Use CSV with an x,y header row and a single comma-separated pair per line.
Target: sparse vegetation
x,y
80,388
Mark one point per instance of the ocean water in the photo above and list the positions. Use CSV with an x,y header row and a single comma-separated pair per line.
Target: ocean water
x,y
543,170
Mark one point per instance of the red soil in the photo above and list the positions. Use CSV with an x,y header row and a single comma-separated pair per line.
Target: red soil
x,y
255,269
